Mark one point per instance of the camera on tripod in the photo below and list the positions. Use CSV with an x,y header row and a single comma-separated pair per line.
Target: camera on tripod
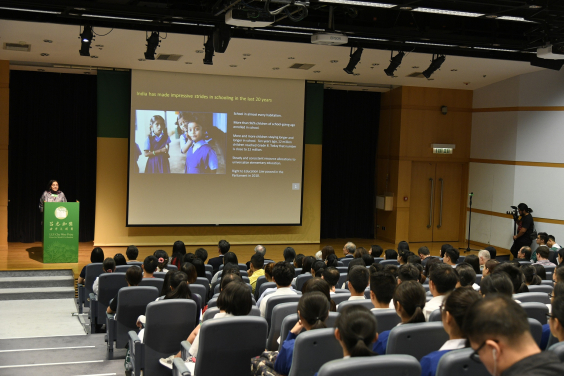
x,y
514,213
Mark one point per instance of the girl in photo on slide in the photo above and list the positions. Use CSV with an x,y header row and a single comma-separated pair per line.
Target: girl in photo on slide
x,y
156,147
200,157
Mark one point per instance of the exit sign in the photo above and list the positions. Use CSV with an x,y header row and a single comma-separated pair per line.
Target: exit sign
x,y
442,151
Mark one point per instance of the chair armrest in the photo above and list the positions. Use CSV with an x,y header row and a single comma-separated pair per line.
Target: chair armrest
x,y
185,347
179,368
133,336
110,316
93,297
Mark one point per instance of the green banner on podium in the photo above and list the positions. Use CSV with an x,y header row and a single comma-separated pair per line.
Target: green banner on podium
x,y
60,232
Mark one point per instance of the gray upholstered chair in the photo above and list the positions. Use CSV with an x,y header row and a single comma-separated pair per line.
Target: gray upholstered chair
x,y
132,303
156,282
364,302
211,312
558,348
301,279
387,319
536,311
259,282
547,289
536,330
458,362
539,297
417,339
273,301
389,365
389,262
108,287
91,271
291,320
313,349
168,323
122,268
435,316
279,312
339,298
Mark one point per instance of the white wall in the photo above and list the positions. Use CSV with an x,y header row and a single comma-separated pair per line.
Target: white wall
x,y
521,136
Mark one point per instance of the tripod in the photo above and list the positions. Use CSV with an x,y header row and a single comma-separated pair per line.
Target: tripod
x,y
468,249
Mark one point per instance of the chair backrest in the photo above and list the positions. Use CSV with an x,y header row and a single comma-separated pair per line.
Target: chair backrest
x,y
378,260
548,276
291,320
301,279
417,340
387,319
217,359
160,275
558,348
540,288
297,272
212,311
340,263
343,269
168,322
92,271
200,290
426,287
273,301
260,281
539,297
209,268
242,267
458,362
157,282
278,314
342,279
266,285
138,263
536,311
216,288
549,268
342,291
389,262
547,283
460,259
524,262
312,349
132,302
122,268
213,302
209,276
478,278
339,298
172,267
364,302
108,286
389,365
536,330
435,316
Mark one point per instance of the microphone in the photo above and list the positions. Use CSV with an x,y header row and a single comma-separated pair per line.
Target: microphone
x,y
471,194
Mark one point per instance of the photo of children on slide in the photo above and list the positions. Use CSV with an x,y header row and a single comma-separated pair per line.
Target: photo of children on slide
x,y
179,142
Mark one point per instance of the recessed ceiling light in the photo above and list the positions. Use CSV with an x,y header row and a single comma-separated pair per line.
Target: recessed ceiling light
x,y
233,66
188,62
291,58
184,23
47,41
141,59
275,68
316,71
41,70
334,61
199,51
94,57
454,70
44,54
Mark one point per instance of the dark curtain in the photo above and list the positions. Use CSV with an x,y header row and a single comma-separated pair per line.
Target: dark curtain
x,y
350,139
52,136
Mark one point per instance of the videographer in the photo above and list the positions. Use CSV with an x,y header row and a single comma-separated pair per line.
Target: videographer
x,y
525,227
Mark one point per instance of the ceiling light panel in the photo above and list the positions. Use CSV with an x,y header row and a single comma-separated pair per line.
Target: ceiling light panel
x,y
511,18
284,32
116,18
31,10
448,12
359,3
299,28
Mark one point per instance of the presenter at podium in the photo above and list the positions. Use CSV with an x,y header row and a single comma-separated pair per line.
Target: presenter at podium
x,y
52,194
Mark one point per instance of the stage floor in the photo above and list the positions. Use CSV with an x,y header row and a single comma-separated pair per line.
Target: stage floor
x,y
29,256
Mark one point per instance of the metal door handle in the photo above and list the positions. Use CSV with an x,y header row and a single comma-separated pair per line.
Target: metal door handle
x,y
431,206
441,207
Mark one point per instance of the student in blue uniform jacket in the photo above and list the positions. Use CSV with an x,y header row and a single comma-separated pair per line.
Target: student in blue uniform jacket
x,y
409,300
452,313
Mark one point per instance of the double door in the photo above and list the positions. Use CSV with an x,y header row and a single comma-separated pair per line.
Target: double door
x,y
434,214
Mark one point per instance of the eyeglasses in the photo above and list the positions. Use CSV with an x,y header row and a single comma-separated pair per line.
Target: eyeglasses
x,y
551,295
474,356
548,316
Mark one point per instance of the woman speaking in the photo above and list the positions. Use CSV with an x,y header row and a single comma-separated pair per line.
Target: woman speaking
x,y
52,194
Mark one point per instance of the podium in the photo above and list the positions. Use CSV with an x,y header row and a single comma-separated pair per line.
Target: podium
x,y
60,232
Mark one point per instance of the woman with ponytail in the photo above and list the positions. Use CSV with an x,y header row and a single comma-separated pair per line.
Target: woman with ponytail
x,y
409,301
531,277
356,330
313,310
178,252
453,310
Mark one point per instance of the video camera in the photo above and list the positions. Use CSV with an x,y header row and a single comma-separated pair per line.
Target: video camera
x,y
514,213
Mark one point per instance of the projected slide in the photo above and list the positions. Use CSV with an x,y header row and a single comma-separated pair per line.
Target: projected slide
x,y
215,150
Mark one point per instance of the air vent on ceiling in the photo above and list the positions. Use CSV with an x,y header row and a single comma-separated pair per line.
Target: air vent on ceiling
x,y
17,47
302,66
416,75
169,57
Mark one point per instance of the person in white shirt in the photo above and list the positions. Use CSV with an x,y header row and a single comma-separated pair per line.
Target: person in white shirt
x,y
382,288
484,256
358,281
331,275
451,257
551,243
408,272
442,280
108,266
466,276
282,274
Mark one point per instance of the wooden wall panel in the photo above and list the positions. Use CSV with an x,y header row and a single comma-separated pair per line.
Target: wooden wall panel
x,y
4,139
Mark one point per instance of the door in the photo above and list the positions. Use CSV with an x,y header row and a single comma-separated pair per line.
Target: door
x,y
447,201
420,210
434,212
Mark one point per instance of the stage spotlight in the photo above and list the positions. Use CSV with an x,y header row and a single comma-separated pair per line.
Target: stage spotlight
x,y
354,60
208,51
395,62
152,44
435,65
221,38
86,38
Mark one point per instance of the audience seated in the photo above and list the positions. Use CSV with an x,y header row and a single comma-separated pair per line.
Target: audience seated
x,y
201,254
200,267
190,271
326,251
331,275
408,272
348,250
558,274
556,319
496,284
452,314
289,254
489,267
358,281
259,250
149,266
466,276
283,273
451,257
551,243
424,254
313,310
442,280
97,255
542,256
332,261
409,301
318,256
162,258
515,275
359,252
392,269
132,253
473,261
319,284
119,259
483,257
382,288
499,332
307,264
390,254
444,247
560,256
430,262
541,271
317,268
133,277
542,239
256,270
228,258
492,251
178,252
524,253
403,246
298,261
108,266
376,251
268,275
222,248
530,273
403,256
368,259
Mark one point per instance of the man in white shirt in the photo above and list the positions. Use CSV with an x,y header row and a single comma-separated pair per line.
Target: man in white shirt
x,y
358,281
382,287
451,257
483,257
442,280
331,275
282,274
551,243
